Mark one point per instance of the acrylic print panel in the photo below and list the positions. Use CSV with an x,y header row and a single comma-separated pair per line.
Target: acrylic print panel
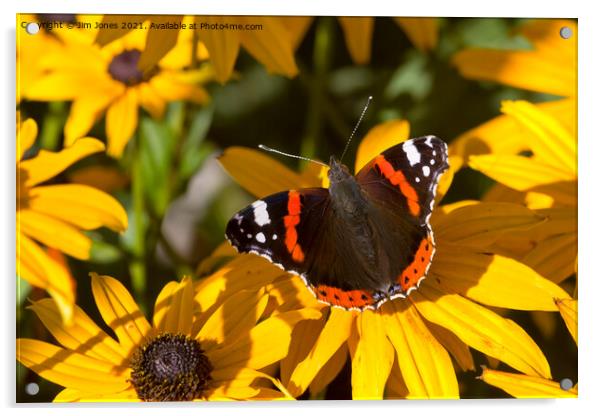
x,y
162,256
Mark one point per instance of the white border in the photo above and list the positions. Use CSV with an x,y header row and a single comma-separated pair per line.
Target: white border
x,y
590,154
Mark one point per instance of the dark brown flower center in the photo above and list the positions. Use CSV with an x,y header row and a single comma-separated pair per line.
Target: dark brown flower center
x,y
124,67
170,368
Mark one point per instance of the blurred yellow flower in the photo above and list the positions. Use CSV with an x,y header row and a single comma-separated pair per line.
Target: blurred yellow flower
x,y
107,80
546,181
214,356
422,31
526,386
550,67
402,349
54,215
269,39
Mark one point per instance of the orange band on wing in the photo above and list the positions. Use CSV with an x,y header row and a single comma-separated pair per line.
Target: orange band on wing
x,y
409,277
345,298
290,223
397,178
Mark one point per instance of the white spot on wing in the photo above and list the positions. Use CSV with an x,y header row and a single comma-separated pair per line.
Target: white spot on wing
x,y
417,179
411,152
428,141
274,237
426,171
260,213
249,236
432,161
260,237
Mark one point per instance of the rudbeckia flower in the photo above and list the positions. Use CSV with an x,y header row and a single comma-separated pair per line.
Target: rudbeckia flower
x,y
179,356
269,39
54,216
404,348
549,67
546,181
107,81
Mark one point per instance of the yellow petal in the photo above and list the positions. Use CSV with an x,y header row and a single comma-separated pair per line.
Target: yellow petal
x,y
568,311
530,70
482,329
358,37
65,84
549,140
245,272
371,357
492,280
234,318
396,387
54,233
26,136
259,174
297,27
336,331
422,31
524,386
173,308
69,368
227,393
47,165
150,100
41,270
159,41
119,311
518,172
379,139
303,339
482,224
76,396
80,205
171,88
329,371
223,46
458,349
272,45
82,336
290,292
427,370
265,344
85,112
121,121
554,257
108,34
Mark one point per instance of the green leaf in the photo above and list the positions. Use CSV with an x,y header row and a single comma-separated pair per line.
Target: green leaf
x,y
193,152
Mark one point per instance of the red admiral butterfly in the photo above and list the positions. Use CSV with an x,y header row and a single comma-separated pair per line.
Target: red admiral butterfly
x,y
364,240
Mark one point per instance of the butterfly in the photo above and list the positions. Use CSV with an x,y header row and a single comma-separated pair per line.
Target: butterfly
x,y
362,241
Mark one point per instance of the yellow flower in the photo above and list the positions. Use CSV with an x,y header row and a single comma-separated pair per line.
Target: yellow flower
x,y
422,31
526,387
402,349
269,39
550,67
54,215
107,80
213,357
546,181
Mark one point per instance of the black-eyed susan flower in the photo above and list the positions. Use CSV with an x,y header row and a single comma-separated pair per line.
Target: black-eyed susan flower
x,y
547,181
269,39
181,355
53,216
107,81
404,348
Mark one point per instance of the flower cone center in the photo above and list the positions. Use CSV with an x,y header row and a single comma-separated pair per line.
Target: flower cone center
x,y
124,67
170,368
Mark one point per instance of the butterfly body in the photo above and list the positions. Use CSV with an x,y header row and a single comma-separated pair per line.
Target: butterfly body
x,y
364,240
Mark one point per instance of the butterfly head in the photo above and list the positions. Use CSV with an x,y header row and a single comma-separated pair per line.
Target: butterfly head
x,y
338,172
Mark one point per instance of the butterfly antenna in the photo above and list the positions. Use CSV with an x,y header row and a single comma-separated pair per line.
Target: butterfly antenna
x,y
356,126
269,149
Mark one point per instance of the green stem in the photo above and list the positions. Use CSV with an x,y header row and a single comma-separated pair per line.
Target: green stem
x,y
321,61
137,265
54,120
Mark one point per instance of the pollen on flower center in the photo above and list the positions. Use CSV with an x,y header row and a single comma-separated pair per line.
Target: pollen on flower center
x,y
124,67
170,367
